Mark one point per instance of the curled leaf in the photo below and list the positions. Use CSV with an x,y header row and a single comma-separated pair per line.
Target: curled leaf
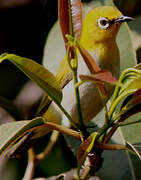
x,y
70,18
10,132
64,18
76,9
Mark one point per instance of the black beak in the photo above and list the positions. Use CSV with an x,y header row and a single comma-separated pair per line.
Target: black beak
x,y
124,19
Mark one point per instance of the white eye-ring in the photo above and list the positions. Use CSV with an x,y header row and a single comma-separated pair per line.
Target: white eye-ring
x,y
103,23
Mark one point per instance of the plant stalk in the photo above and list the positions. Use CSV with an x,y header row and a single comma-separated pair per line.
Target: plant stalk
x,y
86,173
78,104
67,115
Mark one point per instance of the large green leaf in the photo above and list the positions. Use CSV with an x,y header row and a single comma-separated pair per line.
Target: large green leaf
x,y
125,44
38,74
10,132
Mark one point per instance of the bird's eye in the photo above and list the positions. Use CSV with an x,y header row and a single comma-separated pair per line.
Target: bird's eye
x,y
103,23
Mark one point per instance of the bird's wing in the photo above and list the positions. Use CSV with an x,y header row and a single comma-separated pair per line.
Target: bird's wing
x,y
64,76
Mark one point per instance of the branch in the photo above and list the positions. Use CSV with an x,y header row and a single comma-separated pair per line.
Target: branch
x,y
62,129
31,165
53,140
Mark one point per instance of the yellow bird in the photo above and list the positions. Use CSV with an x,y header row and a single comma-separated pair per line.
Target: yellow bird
x,y
100,28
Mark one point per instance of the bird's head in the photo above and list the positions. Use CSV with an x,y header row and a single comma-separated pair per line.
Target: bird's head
x,y
102,24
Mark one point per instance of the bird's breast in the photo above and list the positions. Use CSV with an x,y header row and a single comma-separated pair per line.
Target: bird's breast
x,y
91,102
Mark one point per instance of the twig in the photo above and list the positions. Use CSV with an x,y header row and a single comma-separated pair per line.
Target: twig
x,y
110,146
62,129
67,115
31,165
73,64
53,139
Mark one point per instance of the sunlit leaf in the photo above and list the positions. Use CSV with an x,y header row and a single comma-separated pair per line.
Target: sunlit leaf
x,y
38,74
138,66
134,85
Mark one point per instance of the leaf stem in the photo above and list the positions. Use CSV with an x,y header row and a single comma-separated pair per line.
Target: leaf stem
x,y
62,129
73,64
53,140
104,105
78,104
67,115
128,123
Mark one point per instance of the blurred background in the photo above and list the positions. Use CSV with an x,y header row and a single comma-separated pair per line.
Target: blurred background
x,y
24,27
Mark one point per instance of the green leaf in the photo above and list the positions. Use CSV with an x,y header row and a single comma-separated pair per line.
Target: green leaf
x,y
132,134
38,74
131,83
10,132
132,87
125,44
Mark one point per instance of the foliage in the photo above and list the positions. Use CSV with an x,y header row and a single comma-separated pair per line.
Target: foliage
x,y
121,117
